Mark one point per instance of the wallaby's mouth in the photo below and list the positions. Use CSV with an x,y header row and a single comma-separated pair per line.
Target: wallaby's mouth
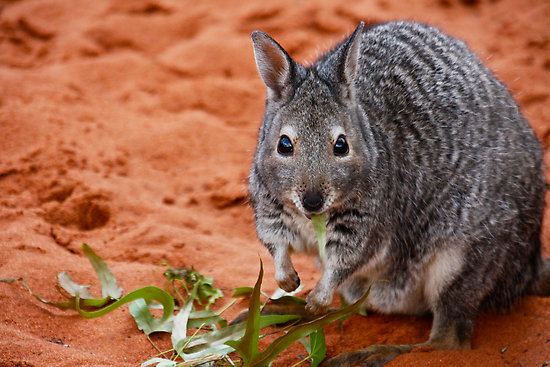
x,y
308,213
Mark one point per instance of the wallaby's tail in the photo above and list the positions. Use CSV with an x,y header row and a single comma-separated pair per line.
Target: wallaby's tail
x,y
542,287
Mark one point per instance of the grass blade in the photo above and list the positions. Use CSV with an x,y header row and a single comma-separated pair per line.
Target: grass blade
x,y
9,280
109,286
247,346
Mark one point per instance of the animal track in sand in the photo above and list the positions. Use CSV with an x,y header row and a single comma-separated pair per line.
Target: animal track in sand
x,y
85,211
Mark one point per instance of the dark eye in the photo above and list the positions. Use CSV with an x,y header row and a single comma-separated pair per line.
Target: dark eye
x,y
341,147
285,146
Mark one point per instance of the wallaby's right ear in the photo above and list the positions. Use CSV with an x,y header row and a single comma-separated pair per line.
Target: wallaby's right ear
x,y
275,66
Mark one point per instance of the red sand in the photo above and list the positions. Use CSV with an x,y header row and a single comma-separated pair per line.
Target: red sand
x,y
131,125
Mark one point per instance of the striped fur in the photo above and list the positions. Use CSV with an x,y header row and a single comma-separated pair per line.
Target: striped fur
x,y
438,203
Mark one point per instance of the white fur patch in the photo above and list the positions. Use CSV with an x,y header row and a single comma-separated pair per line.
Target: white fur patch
x,y
290,132
441,271
384,298
424,286
336,131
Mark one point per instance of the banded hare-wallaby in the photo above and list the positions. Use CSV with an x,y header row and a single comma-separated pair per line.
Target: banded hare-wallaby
x,y
430,177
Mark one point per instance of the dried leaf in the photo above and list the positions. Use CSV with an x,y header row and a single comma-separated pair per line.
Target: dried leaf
x,y
212,343
109,286
145,321
202,287
159,362
179,332
73,288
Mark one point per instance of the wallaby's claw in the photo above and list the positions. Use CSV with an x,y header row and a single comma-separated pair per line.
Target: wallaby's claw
x,y
316,305
316,309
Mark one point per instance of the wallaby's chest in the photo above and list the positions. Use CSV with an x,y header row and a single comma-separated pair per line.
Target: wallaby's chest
x,y
304,240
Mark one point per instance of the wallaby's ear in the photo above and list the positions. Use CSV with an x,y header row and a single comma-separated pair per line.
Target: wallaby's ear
x,y
352,50
274,64
344,63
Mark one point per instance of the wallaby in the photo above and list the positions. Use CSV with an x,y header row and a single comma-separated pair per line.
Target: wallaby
x,y
430,178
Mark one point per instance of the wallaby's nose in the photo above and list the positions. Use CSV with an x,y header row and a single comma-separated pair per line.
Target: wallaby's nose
x,y
312,201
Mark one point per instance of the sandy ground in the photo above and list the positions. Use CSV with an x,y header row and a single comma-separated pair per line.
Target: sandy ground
x,y
131,124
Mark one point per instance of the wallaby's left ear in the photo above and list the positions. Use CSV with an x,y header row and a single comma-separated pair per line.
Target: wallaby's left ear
x,y
352,50
342,66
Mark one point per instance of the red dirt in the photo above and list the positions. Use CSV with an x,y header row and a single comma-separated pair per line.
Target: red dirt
x,y
131,125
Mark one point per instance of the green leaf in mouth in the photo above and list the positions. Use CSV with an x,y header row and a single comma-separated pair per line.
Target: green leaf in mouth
x,y
319,222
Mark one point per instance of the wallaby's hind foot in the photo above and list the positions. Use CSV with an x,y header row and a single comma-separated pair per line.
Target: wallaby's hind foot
x,y
373,356
445,334
379,355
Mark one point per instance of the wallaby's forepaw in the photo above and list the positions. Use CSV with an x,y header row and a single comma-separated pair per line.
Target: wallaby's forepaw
x,y
317,303
289,281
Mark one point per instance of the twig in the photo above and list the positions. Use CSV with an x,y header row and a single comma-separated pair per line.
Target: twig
x,y
226,357
302,361
178,294
282,330
161,353
224,308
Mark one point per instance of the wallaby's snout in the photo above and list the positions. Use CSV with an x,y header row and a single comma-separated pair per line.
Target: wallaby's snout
x,y
313,201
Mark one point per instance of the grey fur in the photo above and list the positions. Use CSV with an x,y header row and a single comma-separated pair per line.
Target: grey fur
x,y
439,202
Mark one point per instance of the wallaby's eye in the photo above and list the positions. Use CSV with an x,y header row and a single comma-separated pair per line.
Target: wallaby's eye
x,y
285,146
341,147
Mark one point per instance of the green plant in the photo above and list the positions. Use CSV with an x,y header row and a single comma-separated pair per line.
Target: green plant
x,y
199,334
247,346
197,286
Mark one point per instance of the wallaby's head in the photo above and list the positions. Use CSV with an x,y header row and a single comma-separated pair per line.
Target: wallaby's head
x,y
311,151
